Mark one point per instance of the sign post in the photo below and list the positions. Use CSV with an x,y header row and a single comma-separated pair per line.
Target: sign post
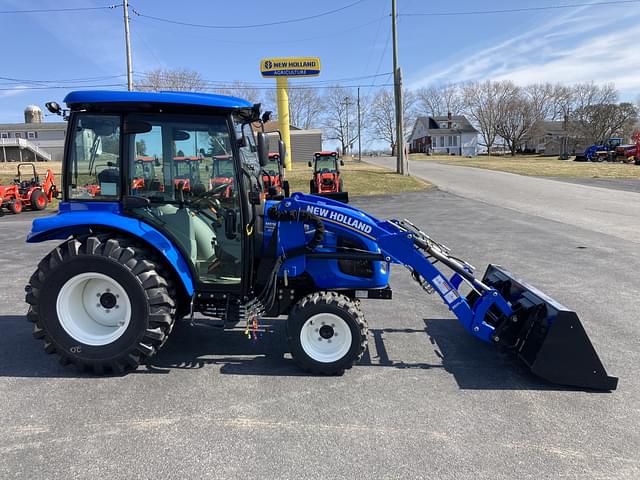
x,y
282,68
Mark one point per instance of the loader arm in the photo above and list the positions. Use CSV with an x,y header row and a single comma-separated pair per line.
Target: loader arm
x,y
499,309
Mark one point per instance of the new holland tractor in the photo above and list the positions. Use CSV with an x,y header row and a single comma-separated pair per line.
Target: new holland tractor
x,y
131,262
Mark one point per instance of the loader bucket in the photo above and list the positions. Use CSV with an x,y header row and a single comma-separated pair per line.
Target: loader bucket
x,y
337,196
548,337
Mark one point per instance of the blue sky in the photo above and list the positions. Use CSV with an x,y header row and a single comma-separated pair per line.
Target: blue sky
x,y
596,43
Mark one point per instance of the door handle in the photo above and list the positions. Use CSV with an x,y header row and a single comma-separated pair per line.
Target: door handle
x,y
230,224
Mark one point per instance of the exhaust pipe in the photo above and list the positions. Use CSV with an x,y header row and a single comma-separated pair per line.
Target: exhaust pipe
x,y
547,336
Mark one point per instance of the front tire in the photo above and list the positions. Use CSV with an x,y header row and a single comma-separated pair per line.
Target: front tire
x,y
100,304
327,333
15,206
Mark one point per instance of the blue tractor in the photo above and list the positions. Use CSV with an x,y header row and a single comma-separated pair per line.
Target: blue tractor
x,y
134,261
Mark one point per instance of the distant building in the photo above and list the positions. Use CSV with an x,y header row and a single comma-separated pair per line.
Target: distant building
x,y
304,143
449,135
33,140
549,137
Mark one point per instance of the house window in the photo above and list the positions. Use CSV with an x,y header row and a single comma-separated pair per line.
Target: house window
x,y
450,141
4,134
31,135
18,135
442,141
455,141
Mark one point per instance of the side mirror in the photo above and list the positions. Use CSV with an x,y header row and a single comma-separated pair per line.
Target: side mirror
x,y
263,149
282,151
342,163
53,107
309,163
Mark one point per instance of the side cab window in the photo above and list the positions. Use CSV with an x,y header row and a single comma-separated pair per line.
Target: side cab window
x,y
94,168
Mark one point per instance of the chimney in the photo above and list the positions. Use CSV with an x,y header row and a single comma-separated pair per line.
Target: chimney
x,y
449,120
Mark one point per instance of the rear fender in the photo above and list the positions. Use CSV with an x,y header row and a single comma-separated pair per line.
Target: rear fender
x,y
78,218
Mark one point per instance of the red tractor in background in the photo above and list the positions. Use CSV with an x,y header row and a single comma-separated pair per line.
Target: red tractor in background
x,y
27,191
275,186
222,174
186,171
326,179
630,153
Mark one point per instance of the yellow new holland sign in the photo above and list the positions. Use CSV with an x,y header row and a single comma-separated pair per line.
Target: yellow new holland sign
x,y
290,67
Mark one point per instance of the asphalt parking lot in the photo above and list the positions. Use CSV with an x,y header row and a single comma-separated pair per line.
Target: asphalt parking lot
x,y
427,400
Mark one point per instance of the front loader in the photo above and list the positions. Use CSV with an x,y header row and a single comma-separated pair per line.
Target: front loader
x,y
133,262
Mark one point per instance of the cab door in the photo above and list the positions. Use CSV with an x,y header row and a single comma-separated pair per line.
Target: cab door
x,y
202,216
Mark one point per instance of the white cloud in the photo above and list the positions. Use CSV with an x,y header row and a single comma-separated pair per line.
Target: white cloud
x,y
13,91
580,46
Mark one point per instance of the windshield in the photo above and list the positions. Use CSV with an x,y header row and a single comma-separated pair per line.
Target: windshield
x,y
325,162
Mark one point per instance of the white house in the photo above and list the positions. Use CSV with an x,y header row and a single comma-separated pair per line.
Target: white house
x,y
449,135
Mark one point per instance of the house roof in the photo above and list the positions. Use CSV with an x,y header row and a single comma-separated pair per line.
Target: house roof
x,y
432,125
33,126
78,98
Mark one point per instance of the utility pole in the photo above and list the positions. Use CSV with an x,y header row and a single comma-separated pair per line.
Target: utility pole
x,y
347,104
401,163
127,39
359,137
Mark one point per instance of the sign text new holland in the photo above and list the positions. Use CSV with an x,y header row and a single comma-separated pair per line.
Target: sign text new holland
x,y
340,218
290,67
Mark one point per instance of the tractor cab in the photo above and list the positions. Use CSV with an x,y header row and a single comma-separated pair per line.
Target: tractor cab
x,y
327,179
147,166
222,174
187,171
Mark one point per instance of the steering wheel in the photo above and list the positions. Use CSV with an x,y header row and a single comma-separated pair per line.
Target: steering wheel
x,y
208,197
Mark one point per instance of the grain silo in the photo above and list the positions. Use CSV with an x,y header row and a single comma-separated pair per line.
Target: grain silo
x,y
32,114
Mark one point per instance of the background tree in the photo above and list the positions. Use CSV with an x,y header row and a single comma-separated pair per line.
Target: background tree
x,y
183,80
439,101
382,116
241,90
484,103
340,121
521,113
306,106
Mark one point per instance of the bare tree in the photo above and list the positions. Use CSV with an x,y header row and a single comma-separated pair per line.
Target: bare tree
x,y
484,103
436,101
382,115
596,114
241,90
522,112
182,80
305,106
340,116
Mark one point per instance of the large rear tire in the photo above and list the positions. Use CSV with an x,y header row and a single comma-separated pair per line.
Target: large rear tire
x,y
327,333
100,304
312,187
39,200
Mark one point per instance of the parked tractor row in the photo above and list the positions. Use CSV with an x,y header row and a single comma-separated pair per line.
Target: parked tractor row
x,y
27,191
613,150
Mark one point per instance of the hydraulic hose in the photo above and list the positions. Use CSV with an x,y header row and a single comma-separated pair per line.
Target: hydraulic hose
x,y
303,217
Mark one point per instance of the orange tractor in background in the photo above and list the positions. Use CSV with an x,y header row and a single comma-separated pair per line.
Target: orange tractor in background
x,y
27,191
327,180
275,185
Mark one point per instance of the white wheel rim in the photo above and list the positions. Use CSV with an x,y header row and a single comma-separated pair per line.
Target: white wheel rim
x,y
93,309
325,337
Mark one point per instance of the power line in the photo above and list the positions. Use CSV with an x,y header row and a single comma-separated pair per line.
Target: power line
x,y
263,41
256,25
517,10
206,89
50,10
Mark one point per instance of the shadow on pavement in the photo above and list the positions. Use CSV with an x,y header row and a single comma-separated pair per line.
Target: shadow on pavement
x,y
473,364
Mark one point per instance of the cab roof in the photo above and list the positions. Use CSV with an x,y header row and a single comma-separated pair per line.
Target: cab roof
x,y
85,97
